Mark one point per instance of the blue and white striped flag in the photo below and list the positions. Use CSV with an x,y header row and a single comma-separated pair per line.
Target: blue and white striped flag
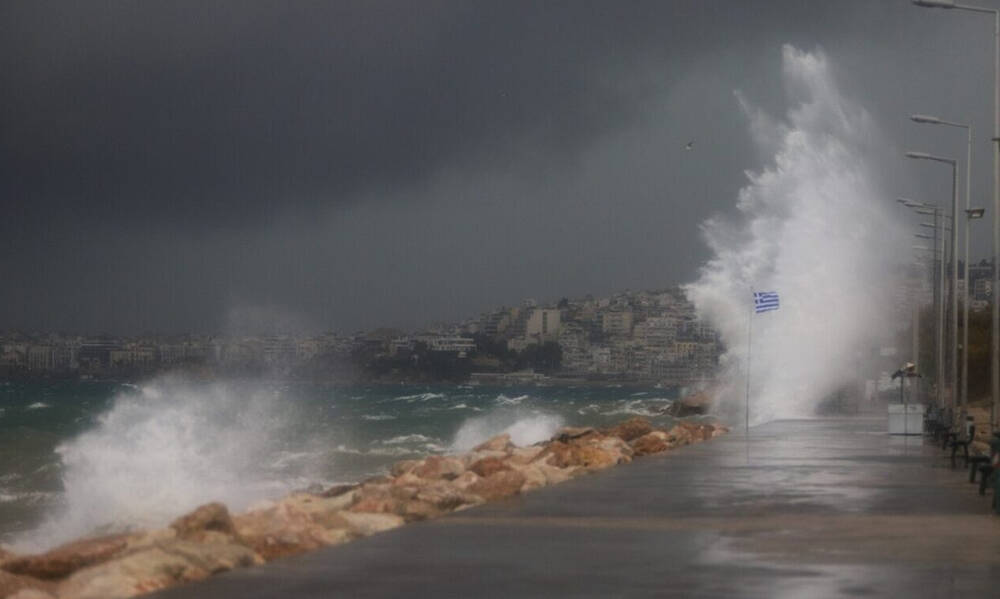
x,y
765,301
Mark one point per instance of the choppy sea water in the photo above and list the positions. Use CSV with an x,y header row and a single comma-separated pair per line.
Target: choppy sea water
x,y
80,458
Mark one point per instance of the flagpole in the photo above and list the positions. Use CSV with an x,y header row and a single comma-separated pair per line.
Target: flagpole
x,y
749,350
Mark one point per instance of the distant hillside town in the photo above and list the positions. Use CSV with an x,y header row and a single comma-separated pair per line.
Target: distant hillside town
x,y
642,337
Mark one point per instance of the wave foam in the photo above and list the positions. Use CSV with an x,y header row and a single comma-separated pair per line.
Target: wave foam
x,y
419,397
503,400
167,449
827,153
377,417
524,429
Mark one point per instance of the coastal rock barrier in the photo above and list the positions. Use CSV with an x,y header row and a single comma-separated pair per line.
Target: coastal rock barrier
x,y
210,540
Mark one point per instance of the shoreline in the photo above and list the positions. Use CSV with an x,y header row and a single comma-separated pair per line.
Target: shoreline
x,y
561,382
209,539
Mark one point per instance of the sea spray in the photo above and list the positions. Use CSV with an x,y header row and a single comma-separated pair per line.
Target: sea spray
x,y
169,447
813,225
524,427
92,461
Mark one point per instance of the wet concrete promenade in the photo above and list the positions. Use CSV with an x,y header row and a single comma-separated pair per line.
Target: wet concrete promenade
x,y
817,508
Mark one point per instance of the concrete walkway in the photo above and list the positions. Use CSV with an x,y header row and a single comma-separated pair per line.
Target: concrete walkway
x,y
818,508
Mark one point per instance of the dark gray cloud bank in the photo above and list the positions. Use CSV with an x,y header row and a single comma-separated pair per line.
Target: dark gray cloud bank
x,y
184,166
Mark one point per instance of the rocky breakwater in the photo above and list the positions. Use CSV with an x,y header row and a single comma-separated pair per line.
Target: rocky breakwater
x,y
210,540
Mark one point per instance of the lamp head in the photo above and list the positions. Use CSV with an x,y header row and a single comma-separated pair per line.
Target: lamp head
x,y
935,3
923,118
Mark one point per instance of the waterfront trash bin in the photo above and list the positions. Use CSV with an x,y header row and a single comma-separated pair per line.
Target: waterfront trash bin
x,y
906,419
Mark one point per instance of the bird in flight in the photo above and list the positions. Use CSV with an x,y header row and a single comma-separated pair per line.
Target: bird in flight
x,y
689,145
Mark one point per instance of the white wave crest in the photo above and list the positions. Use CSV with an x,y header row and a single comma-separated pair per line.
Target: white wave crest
x,y
503,400
403,439
24,497
167,449
38,405
419,397
523,428
639,407
377,417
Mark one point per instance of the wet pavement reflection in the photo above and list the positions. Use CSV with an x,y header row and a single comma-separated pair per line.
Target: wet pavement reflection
x,y
806,508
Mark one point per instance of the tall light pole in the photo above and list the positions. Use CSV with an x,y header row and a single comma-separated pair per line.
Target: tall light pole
x,y
933,120
937,282
953,342
938,257
995,329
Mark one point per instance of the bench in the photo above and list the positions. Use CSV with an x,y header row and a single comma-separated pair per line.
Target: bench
x,y
957,442
934,424
976,462
985,470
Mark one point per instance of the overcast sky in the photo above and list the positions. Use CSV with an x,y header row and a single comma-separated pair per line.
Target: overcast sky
x,y
212,166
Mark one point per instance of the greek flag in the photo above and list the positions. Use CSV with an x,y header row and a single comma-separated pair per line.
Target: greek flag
x,y
765,301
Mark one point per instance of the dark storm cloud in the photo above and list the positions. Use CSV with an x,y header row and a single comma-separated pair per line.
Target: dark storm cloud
x,y
216,113
359,163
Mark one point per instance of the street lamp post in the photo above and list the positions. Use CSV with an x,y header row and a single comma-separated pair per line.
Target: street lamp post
x,y
938,257
995,329
933,120
954,263
937,282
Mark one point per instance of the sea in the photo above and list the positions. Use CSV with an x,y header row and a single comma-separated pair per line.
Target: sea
x,y
79,458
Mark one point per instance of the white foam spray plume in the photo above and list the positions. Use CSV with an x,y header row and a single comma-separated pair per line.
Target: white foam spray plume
x,y
168,448
524,428
814,226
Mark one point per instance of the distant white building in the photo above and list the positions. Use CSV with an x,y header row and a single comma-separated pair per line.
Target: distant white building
x,y
543,324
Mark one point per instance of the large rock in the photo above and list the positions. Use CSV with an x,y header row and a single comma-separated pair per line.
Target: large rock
x,y
288,529
437,466
379,497
525,455
594,452
364,524
211,517
691,405
617,448
573,433
324,511
500,443
158,567
554,475
679,435
534,477
409,480
488,466
14,583
447,497
633,428
338,490
652,442
466,480
499,485
472,457
377,504
403,466
694,431
66,559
